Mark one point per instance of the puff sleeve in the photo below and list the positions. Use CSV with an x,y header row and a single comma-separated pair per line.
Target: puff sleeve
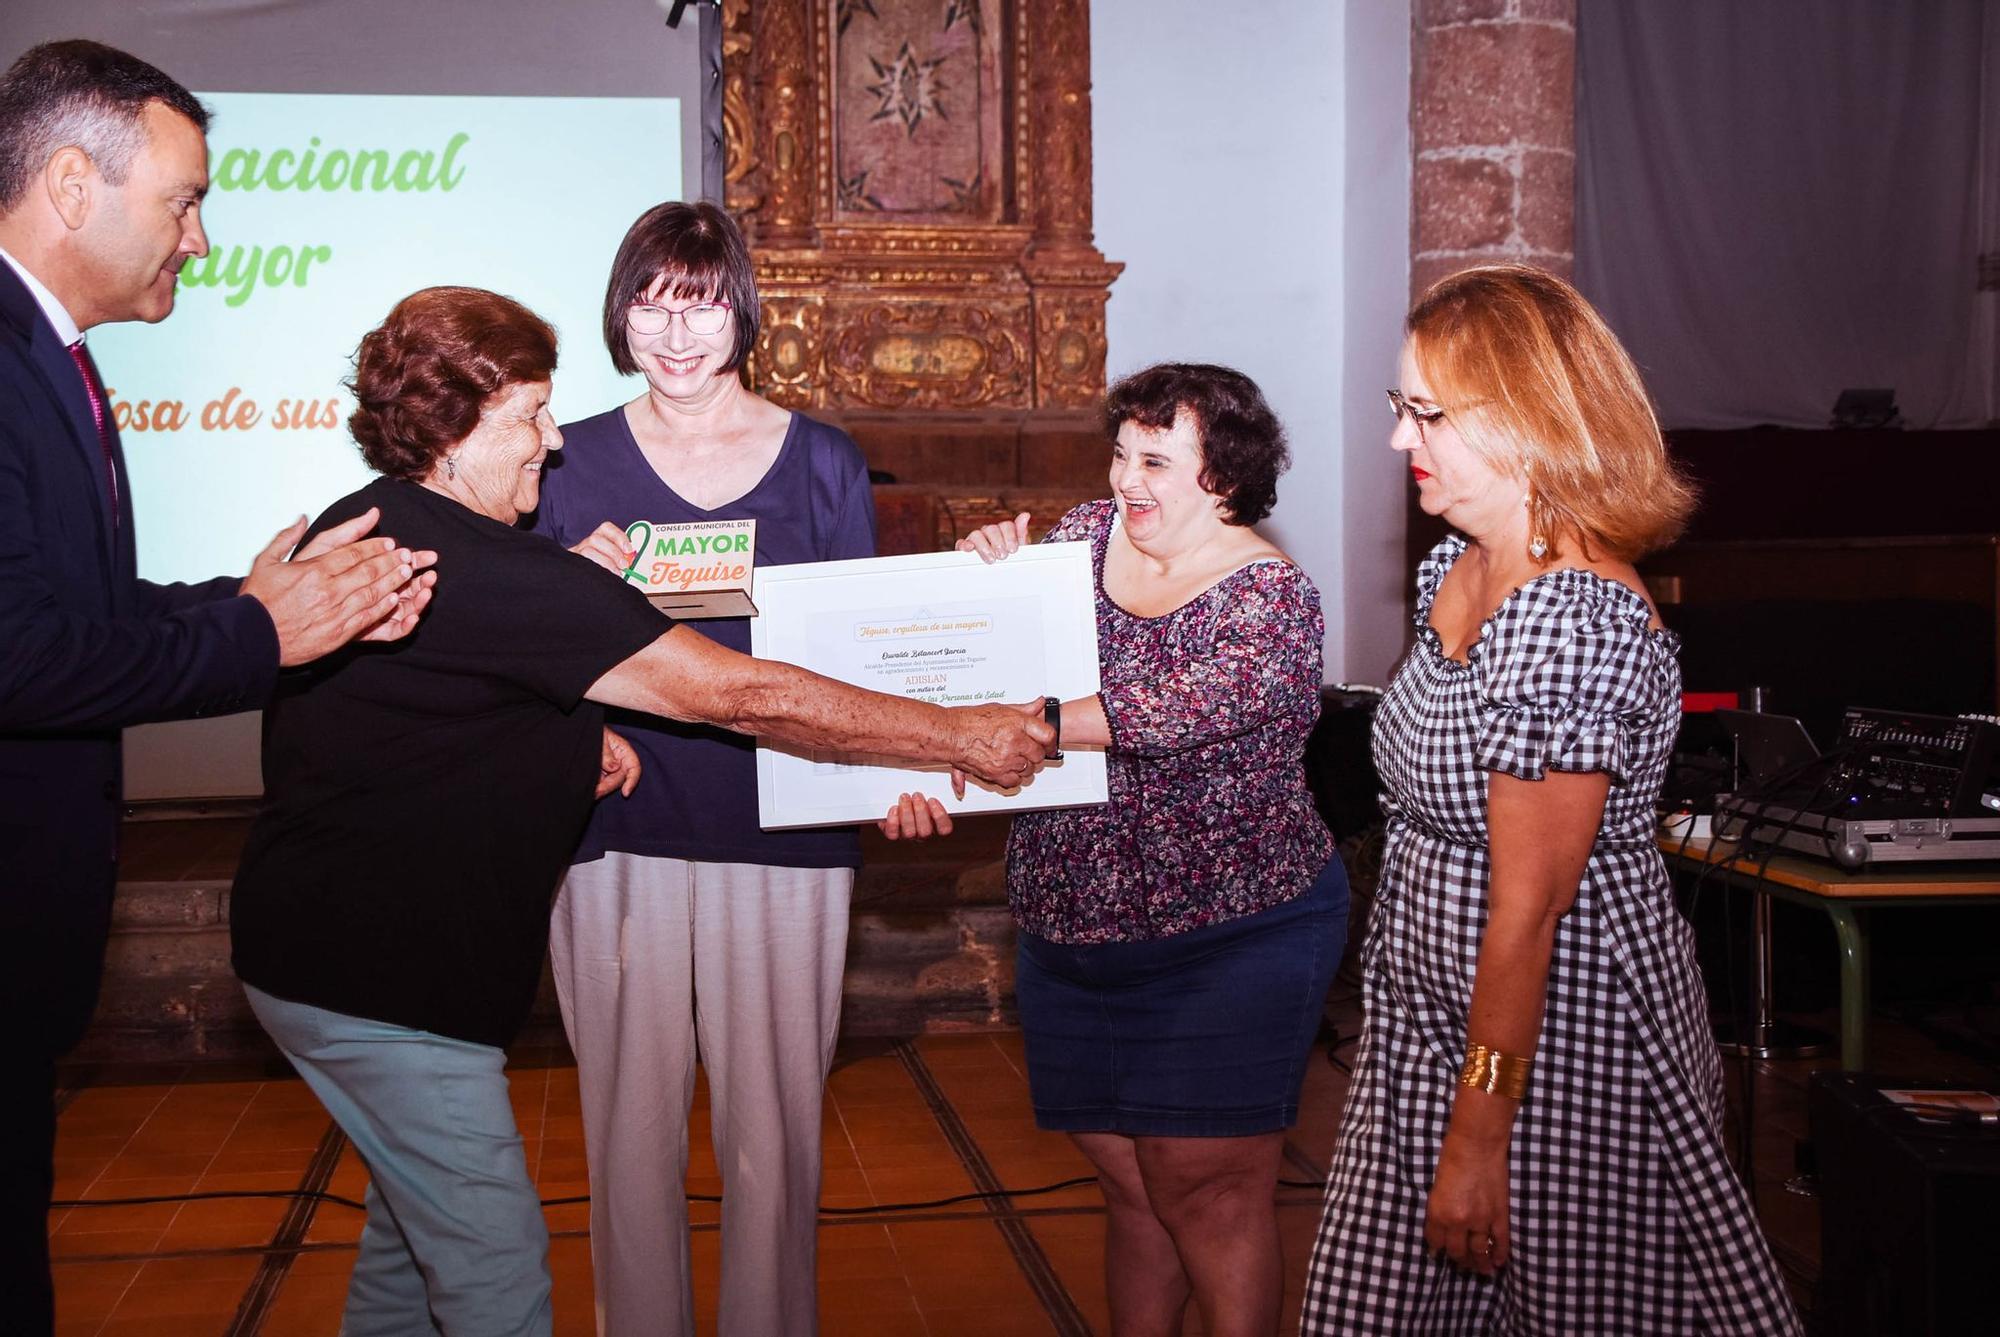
x,y
1566,677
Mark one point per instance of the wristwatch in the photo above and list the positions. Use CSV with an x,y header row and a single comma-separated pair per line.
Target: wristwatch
x,y
1052,712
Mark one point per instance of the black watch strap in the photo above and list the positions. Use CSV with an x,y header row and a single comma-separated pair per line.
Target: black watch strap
x,y
1052,712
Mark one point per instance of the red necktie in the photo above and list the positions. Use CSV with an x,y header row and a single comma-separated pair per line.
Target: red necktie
x,y
81,356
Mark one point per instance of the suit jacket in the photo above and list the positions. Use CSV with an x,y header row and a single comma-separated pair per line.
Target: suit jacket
x,y
86,647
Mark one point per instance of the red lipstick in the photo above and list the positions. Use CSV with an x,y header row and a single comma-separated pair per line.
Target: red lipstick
x,y
1419,474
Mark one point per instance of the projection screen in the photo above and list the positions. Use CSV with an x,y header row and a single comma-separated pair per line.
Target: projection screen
x,y
362,149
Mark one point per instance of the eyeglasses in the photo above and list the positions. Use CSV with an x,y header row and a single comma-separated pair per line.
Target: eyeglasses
x,y
701,319
1420,416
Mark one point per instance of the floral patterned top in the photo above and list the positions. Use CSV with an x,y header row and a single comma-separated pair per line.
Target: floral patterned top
x,y
1209,819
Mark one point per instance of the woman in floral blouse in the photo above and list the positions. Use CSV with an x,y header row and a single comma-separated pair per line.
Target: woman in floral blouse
x,y
1177,943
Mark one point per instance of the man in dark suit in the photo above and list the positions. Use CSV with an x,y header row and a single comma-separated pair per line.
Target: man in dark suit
x,y
103,166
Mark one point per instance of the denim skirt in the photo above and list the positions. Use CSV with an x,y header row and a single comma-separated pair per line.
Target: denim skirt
x,y
1202,1034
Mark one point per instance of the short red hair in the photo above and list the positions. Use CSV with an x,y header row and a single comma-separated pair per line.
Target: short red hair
x,y
423,376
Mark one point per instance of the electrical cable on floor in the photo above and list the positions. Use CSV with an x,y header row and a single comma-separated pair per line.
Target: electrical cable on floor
x,y
304,1194
925,1205
1334,1044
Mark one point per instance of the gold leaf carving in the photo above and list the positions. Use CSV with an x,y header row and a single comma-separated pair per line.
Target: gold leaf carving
x,y
1069,349
919,356
929,355
1072,353
784,365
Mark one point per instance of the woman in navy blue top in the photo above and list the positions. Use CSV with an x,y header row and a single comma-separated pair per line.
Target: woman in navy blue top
x,y
680,920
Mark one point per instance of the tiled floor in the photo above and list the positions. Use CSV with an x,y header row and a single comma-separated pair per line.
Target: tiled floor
x,y
938,1116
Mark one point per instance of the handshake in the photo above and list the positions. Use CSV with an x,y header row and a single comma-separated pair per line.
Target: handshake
x,y
1020,740
1002,745
1025,736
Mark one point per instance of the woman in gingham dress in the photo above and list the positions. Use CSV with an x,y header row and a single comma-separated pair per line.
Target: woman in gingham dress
x,y
1533,1143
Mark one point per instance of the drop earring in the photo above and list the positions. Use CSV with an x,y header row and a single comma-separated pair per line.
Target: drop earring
x,y
1538,547
451,468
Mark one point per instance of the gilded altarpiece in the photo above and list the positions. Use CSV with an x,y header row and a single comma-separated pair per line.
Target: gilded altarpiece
x,y
914,176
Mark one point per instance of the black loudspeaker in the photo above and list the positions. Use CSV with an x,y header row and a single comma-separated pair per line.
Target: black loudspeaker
x,y
1909,1214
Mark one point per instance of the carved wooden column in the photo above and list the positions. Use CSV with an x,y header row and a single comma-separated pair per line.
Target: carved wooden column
x,y
742,170
1070,278
782,51
1061,128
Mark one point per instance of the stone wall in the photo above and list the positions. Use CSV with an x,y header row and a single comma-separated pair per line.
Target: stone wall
x,y
930,946
1493,133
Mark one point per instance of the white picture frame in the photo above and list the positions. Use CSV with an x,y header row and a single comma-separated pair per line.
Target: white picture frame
x,y
943,627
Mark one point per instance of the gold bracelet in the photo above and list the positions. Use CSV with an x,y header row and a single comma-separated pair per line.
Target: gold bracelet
x,y
1495,1073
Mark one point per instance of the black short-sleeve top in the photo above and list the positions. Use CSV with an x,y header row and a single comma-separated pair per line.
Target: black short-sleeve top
x,y
422,797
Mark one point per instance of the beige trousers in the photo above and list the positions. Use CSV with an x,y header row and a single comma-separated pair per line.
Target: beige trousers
x,y
654,958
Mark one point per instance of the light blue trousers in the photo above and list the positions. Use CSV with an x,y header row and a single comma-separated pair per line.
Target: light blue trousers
x,y
455,1242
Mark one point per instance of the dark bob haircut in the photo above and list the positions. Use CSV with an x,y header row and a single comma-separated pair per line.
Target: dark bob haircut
x,y
422,377
81,93
697,252
1242,444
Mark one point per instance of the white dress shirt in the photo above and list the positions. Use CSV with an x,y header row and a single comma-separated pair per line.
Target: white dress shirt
x,y
57,314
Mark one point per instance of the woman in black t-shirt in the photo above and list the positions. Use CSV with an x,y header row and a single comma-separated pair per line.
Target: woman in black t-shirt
x,y
422,799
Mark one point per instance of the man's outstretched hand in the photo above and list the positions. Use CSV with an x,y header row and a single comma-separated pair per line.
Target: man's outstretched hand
x,y
339,587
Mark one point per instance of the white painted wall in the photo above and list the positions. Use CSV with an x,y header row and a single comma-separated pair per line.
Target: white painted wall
x,y
1375,482
1252,171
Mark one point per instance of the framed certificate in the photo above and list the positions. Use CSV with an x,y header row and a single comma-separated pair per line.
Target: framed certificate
x,y
943,627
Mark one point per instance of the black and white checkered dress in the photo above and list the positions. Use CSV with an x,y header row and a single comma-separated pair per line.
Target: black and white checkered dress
x,y
1625,1216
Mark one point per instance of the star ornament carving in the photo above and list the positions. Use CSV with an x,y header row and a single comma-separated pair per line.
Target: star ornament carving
x,y
909,88
849,8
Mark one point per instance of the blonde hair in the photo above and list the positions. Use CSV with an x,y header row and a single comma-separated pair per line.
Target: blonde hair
x,y
1536,382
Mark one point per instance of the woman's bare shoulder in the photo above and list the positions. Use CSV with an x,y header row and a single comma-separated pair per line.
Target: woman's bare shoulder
x,y
1625,574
